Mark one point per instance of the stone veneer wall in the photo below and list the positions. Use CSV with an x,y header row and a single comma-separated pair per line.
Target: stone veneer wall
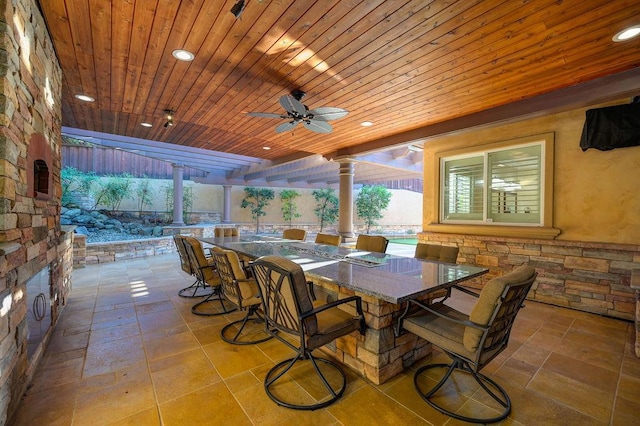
x,y
112,251
122,250
30,234
591,277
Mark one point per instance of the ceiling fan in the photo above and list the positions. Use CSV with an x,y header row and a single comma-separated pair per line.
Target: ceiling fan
x,y
313,119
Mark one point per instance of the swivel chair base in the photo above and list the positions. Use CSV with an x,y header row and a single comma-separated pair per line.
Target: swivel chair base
x,y
334,394
197,289
215,295
237,339
499,395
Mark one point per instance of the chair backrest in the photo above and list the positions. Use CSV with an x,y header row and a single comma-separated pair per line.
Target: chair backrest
x,y
294,234
185,263
284,295
235,285
376,243
330,239
226,231
204,270
436,252
500,300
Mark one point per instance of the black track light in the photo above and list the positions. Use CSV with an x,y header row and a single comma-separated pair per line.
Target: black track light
x,y
238,8
169,122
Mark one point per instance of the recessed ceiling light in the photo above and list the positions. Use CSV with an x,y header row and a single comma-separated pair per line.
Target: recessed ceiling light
x,y
85,98
366,124
266,148
183,55
146,124
627,33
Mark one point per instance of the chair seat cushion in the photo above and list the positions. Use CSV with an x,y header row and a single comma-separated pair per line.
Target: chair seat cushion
x,y
332,324
441,332
249,292
489,297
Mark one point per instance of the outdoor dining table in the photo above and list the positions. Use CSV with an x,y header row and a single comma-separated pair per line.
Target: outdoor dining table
x,y
383,281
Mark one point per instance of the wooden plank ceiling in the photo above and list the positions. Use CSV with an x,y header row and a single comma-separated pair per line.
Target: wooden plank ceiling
x,y
401,64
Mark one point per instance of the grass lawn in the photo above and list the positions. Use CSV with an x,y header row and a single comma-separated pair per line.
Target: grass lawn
x,y
408,241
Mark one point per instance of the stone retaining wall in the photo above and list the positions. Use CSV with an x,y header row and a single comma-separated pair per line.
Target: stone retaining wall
x,y
123,250
90,253
591,277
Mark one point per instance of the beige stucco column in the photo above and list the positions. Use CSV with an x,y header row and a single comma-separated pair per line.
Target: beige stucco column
x,y
226,204
345,215
177,195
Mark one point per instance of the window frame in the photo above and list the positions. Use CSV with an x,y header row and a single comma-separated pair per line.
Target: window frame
x,y
486,190
545,230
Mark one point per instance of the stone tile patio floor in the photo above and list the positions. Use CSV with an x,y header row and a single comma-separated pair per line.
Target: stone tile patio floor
x,y
128,351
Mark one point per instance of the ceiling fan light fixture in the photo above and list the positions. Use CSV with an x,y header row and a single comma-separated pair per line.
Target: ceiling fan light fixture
x,y
238,8
295,113
183,55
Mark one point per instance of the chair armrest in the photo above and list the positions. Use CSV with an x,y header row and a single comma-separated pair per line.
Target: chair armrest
x,y
212,266
435,312
335,303
466,290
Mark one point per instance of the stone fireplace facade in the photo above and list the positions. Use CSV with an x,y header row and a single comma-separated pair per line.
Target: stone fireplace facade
x,y
31,239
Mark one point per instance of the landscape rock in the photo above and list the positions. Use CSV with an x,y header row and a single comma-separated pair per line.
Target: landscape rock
x,y
82,230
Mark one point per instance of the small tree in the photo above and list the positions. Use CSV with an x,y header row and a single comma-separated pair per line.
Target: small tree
x,y
74,180
326,206
168,199
370,203
143,192
289,207
256,199
113,190
187,201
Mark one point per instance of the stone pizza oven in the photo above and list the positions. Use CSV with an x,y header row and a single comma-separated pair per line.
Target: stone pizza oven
x,y
35,252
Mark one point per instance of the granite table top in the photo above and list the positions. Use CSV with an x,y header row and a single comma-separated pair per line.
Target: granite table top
x,y
388,277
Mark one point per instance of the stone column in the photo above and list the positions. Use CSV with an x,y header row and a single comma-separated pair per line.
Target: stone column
x,y
635,284
226,204
345,214
177,195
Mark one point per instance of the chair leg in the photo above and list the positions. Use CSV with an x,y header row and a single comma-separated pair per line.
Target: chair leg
x,y
197,289
500,395
216,294
253,316
278,371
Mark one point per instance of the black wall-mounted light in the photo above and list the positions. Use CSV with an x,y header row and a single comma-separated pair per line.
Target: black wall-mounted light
x,y
238,8
169,122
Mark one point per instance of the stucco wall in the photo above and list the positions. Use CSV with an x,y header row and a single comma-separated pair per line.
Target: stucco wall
x,y
595,207
596,193
404,208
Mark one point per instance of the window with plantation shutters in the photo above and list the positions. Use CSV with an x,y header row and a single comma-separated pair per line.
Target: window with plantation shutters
x,y
463,189
502,186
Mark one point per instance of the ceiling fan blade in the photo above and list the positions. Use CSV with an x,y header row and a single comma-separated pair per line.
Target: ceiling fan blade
x,y
327,113
292,105
285,127
266,115
318,126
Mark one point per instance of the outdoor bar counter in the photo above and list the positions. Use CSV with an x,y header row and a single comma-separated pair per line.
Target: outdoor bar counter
x,y
383,281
